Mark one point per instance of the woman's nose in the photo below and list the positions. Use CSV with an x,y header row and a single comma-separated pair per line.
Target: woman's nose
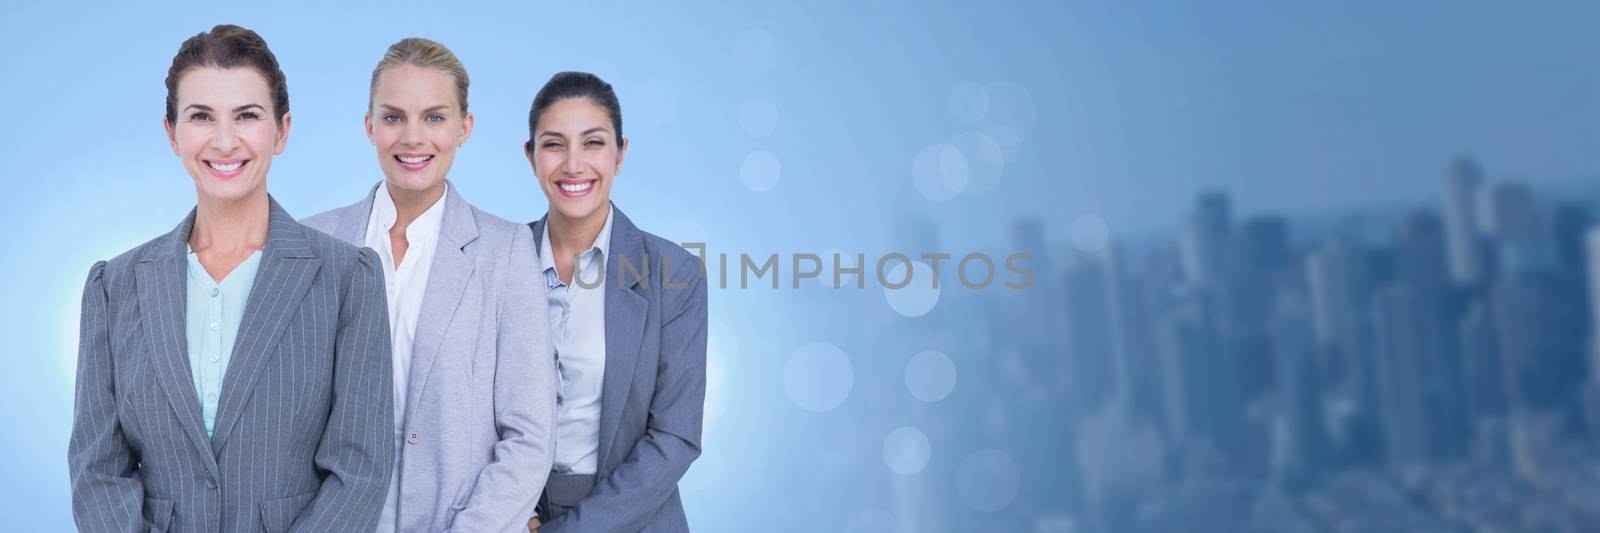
x,y
225,140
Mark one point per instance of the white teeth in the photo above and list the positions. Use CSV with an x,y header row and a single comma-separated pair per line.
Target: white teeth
x,y
576,187
413,160
230,167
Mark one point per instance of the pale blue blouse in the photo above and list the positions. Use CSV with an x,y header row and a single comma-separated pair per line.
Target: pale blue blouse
x,y
213,313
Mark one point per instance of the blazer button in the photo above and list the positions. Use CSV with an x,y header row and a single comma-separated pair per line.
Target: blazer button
x,y
413,437
211,483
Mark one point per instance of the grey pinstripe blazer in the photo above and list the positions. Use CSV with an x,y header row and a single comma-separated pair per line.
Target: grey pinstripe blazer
x,y
652,399
303,432
480,402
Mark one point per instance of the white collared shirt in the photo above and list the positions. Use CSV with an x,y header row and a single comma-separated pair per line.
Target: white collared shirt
x,y
406,283
578,331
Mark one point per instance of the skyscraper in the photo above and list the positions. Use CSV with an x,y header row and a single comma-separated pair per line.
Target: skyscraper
x,y
1027,235
1088,334
1422,262
1131,288
1483,371
1200,391
1299,439
1204,243
1593,266
1540,329
1571,224
1512,221
1462,180
1591,389
1347,367
1255,272
1333,312
1260,256
1400,373
1419,376
1508,212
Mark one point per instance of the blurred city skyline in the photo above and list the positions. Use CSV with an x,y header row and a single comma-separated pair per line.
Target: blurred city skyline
x,y
1417,369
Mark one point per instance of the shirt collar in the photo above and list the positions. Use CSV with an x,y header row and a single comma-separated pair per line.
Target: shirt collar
x,y
244,270
424,228
602,244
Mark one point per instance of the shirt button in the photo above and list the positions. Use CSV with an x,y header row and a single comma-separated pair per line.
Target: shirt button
x,y
215,358
215,291
413,437
213,326
211,398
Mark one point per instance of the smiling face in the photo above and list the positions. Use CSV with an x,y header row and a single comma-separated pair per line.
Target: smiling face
x,y
224,132
575,155
416,124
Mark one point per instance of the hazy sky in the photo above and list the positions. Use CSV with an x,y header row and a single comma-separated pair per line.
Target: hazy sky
x,y
1309,106
1291,106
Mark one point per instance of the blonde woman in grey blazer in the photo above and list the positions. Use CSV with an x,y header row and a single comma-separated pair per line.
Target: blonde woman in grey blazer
x,y
233,374
475,379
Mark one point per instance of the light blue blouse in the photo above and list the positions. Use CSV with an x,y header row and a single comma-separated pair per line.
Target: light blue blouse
x,y
213,314
578,332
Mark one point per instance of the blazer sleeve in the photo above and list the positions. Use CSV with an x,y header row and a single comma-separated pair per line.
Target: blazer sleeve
x,y
628,498
107,492
357,448
524,401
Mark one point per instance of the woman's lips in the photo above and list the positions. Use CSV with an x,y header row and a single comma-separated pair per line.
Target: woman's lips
x,y
226,169
575,188
413,161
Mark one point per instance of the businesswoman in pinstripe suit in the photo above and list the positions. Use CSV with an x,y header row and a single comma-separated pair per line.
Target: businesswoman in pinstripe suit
x,y
233,374
631,345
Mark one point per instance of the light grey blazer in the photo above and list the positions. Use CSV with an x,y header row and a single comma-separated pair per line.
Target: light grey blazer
x,y
652,400
480,405
303,432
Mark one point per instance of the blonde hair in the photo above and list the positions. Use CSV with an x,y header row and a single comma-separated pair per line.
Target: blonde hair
x,y
419,52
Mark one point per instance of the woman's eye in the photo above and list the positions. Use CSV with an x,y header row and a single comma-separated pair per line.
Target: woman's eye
x,y
552,145
595,143
435,118
199,117
392,119
248,115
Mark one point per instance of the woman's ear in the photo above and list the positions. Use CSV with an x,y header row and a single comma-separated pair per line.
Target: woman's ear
x,y
283,134
466,130
527,151
622,153
172,134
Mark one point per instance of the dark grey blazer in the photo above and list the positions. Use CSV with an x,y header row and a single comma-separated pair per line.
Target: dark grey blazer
x,y
653,398
303,437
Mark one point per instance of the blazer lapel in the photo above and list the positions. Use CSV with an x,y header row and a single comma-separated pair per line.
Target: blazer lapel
x,y
448,277
162,286
287,269
353,219
625,318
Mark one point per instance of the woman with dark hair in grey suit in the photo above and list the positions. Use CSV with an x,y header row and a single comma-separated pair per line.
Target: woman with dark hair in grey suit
x,y
233,374
628,319
475,388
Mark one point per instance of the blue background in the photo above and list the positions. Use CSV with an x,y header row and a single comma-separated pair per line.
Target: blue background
x,y
1072,131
